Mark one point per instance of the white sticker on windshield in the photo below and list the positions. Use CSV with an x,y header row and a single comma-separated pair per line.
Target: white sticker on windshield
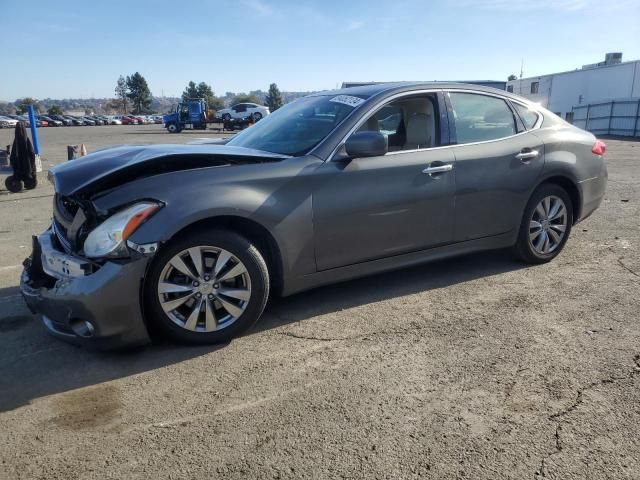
x,y
347,100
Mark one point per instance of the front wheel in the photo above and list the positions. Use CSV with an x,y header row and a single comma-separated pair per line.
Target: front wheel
x,y
207,287
546,225
257,116
172,128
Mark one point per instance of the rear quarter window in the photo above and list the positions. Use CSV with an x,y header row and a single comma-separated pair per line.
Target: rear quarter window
x,y
529,117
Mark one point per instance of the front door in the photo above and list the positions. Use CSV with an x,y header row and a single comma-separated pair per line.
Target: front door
x,y
376,207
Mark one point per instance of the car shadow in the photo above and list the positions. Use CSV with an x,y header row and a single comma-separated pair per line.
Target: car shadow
x,y
34,365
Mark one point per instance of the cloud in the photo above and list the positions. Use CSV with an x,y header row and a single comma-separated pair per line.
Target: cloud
x,y
354,25
258,6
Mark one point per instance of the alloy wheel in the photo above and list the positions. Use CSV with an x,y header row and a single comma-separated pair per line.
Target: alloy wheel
x,y
204,289
548,225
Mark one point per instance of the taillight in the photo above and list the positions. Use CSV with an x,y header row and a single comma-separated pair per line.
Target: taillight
x,y
599,147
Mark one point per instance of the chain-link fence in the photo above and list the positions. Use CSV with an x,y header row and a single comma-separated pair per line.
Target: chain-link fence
x,y
615,117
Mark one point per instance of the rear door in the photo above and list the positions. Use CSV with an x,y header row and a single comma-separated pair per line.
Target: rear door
x,y
498,162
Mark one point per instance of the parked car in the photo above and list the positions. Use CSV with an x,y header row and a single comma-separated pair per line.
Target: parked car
x,y
88,121
96,119
7,122
25,120
115,120
105,120
76,121
313,195
61,118
130,120
51,121
243,110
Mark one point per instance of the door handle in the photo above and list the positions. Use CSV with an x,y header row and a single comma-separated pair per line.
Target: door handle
x,y
527,155
438,169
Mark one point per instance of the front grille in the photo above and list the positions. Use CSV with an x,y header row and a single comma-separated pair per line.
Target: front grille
x,y
68,218
60,233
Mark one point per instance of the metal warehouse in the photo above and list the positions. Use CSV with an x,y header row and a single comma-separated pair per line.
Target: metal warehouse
x,y
602,97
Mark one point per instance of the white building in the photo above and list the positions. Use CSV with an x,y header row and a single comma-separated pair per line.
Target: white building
x,y
560,92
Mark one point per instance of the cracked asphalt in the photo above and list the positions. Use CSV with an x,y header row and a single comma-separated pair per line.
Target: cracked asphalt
x,y
476,367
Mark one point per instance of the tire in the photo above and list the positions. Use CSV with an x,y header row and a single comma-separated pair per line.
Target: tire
x,y
13,185
257,116
172,128
546,225
167,287
226,117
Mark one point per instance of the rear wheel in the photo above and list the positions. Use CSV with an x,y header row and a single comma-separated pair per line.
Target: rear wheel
x,y
207,287
257,116
226,117
546,225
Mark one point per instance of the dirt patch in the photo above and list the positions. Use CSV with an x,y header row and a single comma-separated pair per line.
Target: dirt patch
x,y
87,407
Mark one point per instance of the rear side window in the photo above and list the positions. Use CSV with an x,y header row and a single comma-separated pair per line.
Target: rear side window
x,y
479,118
529,117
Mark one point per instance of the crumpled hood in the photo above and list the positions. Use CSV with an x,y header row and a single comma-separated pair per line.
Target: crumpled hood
x,y
118,165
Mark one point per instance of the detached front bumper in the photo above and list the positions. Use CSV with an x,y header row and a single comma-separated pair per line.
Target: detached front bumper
x,y
100,307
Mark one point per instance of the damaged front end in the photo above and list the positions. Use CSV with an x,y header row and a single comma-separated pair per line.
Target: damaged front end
x,y
85,277
86,273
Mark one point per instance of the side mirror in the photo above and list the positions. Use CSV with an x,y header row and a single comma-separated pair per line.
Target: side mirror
x,y
366,144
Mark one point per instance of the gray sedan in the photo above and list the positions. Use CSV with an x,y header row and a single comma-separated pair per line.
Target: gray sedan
x,y
190,240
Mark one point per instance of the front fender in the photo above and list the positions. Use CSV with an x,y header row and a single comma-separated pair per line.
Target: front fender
x,y
276,196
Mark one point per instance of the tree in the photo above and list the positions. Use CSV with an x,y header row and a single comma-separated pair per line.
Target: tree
x,y
55,110
202,90
6,108
191,91
244,98
512,77
274,98
22,106
138,92
113,105
121,93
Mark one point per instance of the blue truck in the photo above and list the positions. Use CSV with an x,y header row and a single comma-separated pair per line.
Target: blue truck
x,y
190,113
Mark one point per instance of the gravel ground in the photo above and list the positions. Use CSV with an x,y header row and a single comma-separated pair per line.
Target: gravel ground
x,y
477,367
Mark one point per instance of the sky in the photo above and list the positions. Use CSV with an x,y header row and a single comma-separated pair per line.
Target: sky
x,y
77,49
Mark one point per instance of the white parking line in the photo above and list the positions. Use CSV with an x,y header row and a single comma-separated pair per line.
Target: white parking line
x,y
10,267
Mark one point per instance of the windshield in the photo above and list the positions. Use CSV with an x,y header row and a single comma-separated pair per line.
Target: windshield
x,y
298,126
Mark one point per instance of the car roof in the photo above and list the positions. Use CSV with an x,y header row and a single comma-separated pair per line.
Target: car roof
x,y
402,87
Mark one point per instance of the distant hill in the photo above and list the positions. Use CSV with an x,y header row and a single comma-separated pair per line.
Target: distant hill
x,y
105,105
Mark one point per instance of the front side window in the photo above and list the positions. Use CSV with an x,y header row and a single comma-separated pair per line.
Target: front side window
x,y
409,123
298,126
479,118
534,87
529,117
